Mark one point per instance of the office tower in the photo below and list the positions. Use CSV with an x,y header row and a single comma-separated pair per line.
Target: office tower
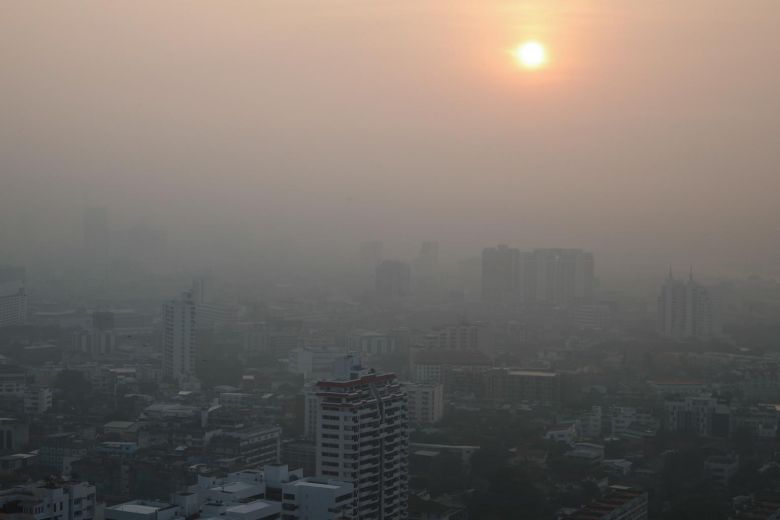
x,y
686,310
13,296
362,437
96,235
500,274
561,276
393,280
178,338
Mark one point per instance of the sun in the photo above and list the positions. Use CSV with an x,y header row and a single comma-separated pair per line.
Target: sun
x,y
531,55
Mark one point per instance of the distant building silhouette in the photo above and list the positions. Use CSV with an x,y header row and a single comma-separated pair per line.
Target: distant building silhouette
x,y
179,338
686,310
13,296
393,280
560,277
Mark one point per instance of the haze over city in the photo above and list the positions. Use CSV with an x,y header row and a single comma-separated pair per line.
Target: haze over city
x,y
389,260
650,136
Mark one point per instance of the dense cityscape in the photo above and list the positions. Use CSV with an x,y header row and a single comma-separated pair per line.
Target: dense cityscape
x,y
516,385
389,260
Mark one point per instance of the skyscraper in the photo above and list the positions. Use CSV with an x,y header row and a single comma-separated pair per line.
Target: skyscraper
x,y
562,276
13,296
686,310
178,339
362,437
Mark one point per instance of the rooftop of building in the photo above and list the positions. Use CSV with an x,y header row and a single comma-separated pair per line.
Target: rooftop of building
x,y
250,507
142,507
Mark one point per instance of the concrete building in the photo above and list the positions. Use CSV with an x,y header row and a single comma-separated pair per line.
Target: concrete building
x,y
425,402
179,319
13,296
317,498
362,438
55,500
687,311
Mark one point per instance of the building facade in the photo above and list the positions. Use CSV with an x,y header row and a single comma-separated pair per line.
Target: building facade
x,y
687,311
425,402
362,438
178,338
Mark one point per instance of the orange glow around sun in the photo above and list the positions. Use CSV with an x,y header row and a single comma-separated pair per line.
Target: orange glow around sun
x,y
531,55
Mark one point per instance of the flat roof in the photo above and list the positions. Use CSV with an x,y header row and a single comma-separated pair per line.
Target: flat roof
x,y
139,507
316,484
257,505
539,373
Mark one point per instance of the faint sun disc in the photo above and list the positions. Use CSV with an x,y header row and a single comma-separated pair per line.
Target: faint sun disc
x,y
531,55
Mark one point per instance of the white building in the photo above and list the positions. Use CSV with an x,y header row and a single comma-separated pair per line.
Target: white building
x,y
362,438
317,498
687,311
425,402
49,501
255,494
178,339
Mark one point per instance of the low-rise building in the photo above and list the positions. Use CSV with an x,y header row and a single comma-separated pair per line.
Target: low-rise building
x,y
54,500
317,498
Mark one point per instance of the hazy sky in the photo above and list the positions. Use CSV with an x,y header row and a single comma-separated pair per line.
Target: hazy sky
x,y
652,136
